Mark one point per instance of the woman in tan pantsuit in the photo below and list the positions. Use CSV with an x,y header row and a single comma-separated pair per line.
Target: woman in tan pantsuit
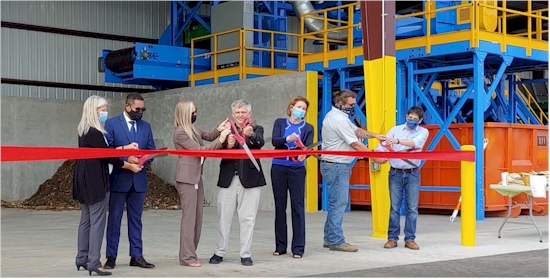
x,y
187,136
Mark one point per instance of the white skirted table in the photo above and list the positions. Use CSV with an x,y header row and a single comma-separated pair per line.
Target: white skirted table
x,y
511,191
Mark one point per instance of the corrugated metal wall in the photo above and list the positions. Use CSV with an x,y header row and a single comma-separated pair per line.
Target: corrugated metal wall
x,y
33,55
129,18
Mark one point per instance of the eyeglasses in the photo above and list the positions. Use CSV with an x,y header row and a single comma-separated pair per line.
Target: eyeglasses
x,y
138,109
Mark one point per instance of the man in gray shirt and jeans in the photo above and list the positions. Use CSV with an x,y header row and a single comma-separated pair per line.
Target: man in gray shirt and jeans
x,y
339,133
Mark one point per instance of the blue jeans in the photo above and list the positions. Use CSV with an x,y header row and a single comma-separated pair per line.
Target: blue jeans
x,y
410,181
337,177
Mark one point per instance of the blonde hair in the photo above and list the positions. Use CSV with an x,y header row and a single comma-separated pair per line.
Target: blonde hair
x,y
183,112
89,115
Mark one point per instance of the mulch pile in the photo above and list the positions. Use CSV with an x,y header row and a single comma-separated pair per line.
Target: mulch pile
x,y
56,193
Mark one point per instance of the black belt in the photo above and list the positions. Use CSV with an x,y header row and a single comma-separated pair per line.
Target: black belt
x,y
405,170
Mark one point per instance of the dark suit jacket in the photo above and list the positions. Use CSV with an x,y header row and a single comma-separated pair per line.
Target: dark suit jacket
x,y
189,169
118,134
279,141
91,176
248,174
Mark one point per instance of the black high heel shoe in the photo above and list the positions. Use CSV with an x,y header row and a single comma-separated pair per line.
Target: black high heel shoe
x,y
99,272
85,266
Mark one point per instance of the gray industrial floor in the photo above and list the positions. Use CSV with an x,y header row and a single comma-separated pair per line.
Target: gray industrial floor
x,y
525,264
43,244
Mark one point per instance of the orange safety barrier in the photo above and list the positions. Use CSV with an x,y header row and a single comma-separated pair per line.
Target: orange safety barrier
x,y
512,148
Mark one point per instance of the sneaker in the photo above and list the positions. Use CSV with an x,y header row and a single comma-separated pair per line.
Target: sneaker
x,y
346,247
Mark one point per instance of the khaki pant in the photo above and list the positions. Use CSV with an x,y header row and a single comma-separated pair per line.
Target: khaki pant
x,y
192,201
245,201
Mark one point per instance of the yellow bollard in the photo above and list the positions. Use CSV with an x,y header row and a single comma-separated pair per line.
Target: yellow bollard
x,y
468,207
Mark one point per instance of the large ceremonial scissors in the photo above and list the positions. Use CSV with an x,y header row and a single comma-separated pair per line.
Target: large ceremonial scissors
x,y
241,139
390,149
299,144
145,158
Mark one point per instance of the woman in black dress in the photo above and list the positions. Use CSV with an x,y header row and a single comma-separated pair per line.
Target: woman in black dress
x,y
91,184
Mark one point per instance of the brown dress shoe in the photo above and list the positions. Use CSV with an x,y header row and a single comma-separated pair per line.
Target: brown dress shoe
x,y
390,244
412,245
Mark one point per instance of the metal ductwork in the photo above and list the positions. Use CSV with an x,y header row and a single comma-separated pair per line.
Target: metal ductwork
x,y
313,25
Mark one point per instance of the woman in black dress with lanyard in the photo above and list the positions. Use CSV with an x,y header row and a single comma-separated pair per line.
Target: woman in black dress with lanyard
x,y
91,184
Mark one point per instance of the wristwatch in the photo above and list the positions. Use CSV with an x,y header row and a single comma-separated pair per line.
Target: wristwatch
x,y
397,141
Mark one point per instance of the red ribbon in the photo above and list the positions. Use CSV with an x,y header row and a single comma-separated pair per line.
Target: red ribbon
x,y
48,153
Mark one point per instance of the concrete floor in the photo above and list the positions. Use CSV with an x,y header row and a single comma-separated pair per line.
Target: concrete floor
x,y
43,244
531,264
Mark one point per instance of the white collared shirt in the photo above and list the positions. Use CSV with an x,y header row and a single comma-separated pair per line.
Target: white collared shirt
x,y
128,122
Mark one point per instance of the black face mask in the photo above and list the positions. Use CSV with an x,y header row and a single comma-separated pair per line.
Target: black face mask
x,y
193,118
134,115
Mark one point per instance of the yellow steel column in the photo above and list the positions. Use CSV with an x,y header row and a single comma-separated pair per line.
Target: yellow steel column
x,y
468,205
312,168
380,90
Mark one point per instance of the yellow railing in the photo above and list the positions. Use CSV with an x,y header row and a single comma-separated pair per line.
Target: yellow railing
x,y
430,12
322,15
487,25
528,16
539,30
243,48
483,15
531,103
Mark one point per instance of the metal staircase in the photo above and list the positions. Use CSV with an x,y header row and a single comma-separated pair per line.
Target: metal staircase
x,y
533,100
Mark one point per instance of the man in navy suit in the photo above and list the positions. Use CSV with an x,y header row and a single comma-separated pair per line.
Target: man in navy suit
x,y
127,187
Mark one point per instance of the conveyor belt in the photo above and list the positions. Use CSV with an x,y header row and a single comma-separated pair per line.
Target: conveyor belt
x,y
120,61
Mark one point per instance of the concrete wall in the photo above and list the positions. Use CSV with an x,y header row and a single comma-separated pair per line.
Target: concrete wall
x,y
269,97
38,122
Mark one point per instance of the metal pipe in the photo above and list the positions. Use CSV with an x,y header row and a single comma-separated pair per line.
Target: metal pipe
x,y
313,25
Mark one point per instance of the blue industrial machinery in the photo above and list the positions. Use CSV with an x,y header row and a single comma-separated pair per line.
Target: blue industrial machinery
x,y
171,68
167,65
162,67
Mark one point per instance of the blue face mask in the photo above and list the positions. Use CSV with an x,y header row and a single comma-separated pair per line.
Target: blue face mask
x,y
103,116
412,124
298,113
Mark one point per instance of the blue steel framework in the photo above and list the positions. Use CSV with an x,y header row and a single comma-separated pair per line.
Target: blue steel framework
x,y
181,15
417,71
